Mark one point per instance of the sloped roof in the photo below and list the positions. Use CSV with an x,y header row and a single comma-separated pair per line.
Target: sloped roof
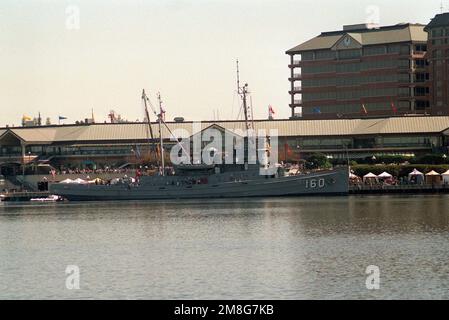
x,y
120,133
317,43
219,128
366,37
440,20
357,36
402,125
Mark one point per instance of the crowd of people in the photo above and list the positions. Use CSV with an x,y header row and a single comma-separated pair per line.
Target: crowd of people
x,y
93,171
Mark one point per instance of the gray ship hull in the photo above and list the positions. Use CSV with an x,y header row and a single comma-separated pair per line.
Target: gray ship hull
x,y
334,182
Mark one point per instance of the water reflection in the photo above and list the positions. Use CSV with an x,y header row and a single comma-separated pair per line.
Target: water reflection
x,y
288,248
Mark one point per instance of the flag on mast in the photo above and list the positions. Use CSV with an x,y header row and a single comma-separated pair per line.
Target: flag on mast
x,y
393,107
61,118
271,112
364,110
288,150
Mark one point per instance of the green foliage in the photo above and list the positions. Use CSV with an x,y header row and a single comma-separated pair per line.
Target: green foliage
x,y
385,159
433,158
318,161
393,159
353,163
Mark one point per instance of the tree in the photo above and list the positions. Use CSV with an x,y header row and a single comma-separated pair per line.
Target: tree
x,y
318,161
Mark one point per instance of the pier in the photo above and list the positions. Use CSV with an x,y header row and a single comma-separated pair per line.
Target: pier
x,y
386,189
23,196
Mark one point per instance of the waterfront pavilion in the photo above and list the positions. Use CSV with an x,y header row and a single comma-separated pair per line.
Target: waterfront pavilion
x,y
122,144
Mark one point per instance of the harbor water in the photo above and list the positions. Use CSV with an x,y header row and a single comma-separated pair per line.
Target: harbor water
x,y
277,248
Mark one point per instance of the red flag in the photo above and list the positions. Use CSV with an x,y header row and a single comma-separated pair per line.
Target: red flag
x,y
364,109
288,150
393,107
270,112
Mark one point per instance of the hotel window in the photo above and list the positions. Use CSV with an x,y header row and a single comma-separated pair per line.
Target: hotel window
x,y
420,63
404,104
437,33
404,77
421,91
348,81
394,48
421,105
348,67
329,95
372,51
404,92
307,56
403,63
405,49
349,54
421,77
348,95
437,54
319,69
421,48
324,54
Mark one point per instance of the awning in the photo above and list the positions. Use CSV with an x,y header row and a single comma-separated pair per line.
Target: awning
x,y
385,175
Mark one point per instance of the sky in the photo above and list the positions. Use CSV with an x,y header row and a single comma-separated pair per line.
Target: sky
x,y
67,57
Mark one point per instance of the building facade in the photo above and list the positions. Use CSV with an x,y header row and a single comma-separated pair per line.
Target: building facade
x,y
101,146
360,71
438,57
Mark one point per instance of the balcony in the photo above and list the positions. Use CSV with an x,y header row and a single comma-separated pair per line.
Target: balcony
x,y
297,89
419,54
295,64
296,76
297,102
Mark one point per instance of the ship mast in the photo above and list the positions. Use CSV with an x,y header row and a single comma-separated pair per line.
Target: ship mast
x,y
147,114
243,92
161,139
250,142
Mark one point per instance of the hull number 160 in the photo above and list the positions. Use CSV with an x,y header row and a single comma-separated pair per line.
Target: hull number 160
x,y
315,183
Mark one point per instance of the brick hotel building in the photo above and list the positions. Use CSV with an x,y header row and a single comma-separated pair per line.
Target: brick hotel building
x,y
438,57
362,70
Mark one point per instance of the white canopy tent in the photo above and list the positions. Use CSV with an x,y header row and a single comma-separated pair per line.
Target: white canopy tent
x,y
352,175
416,176
385,175
369,177
433,177
445,176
